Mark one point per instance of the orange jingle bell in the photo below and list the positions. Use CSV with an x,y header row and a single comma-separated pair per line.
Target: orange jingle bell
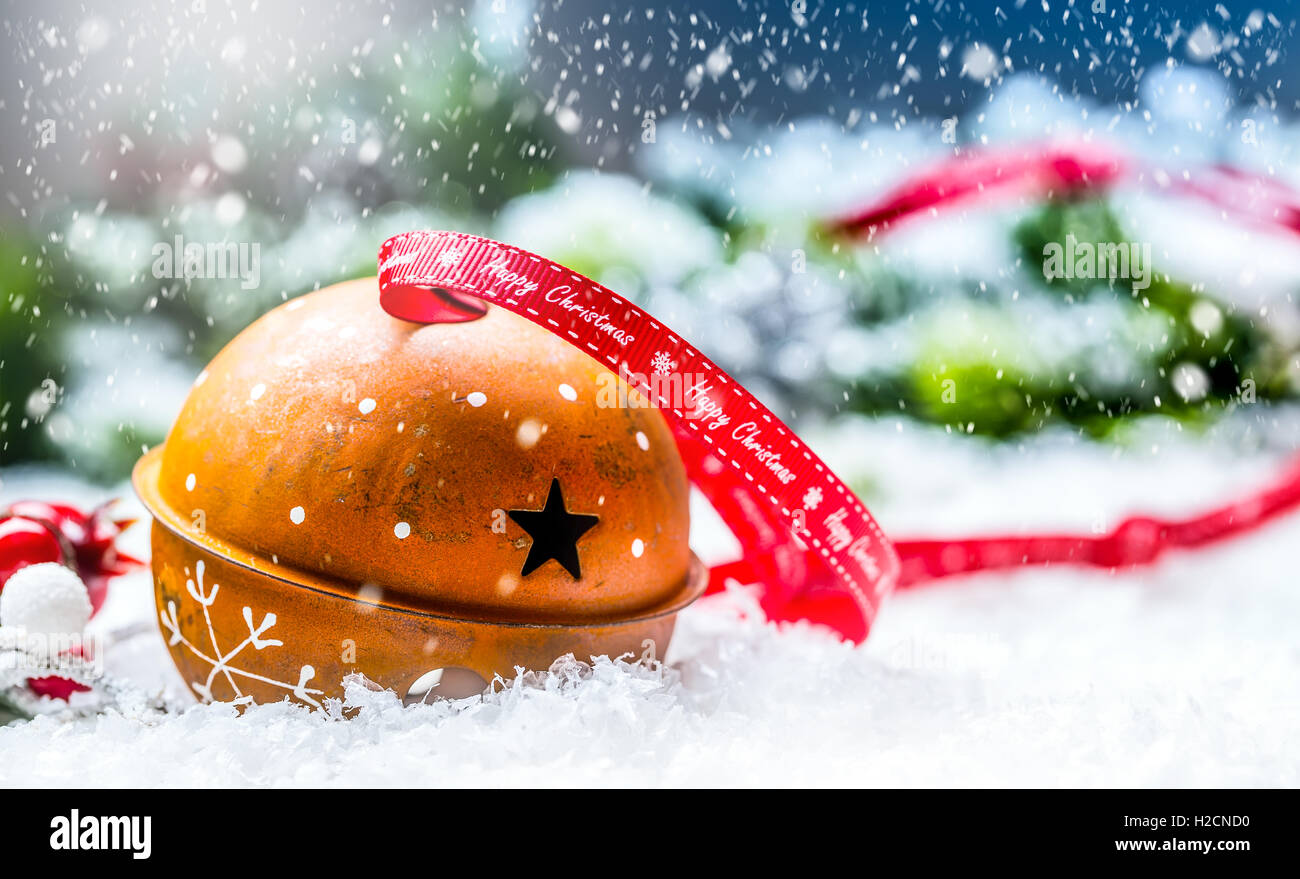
x,y
429,505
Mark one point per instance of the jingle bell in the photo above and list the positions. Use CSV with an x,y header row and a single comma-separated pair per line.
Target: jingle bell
x,y
428,505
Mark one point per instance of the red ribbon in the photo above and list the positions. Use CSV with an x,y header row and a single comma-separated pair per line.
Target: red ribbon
x,y
1043,172
805,537
1059,170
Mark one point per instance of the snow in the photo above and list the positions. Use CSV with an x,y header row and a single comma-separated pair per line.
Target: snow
x,y
1184,674
46,599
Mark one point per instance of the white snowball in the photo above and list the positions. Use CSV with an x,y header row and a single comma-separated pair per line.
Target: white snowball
x,y
46,599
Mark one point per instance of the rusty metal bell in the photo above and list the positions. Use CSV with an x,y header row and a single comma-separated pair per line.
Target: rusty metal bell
x,y
429,505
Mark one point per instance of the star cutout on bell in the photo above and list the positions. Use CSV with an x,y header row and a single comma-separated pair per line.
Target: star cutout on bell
x,y
555,532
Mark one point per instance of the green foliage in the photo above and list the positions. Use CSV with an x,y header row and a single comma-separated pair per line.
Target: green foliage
x,y
31,373
446,141
980,369
442,140
973,372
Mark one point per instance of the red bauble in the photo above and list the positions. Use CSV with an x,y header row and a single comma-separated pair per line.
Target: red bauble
x,y
32,532
35,531
24,542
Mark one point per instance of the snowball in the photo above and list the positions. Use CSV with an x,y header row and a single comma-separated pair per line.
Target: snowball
x,y
46,599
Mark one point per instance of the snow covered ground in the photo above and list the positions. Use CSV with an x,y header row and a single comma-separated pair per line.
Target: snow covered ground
x,y
1187,673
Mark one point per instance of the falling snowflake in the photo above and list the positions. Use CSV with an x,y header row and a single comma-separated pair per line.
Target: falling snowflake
x,y
220,662
812,498
448,257
662,363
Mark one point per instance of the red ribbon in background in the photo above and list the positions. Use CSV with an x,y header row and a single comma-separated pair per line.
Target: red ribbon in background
x,y
805,537
1044,172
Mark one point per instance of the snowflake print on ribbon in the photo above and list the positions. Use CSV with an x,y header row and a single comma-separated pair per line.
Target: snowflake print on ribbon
x,y
662,363
812,498
221,662
449,257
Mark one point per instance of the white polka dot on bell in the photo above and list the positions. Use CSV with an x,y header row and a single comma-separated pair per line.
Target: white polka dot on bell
x,y
366,406
402,530
638,547
297,515
476,399
568,393
190,482
643,441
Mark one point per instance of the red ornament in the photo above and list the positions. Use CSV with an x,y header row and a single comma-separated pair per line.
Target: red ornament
x,y
32,532
24,542
55,687
35,531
